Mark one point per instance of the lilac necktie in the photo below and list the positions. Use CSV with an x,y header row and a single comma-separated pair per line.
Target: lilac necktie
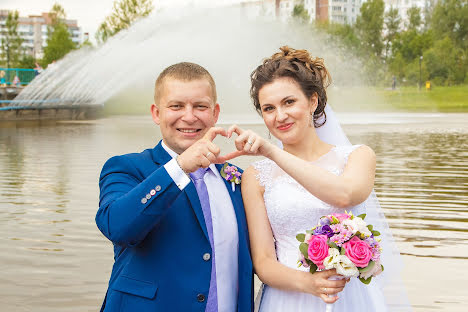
x,y
197,176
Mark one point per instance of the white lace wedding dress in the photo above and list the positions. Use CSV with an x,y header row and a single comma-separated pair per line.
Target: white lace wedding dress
x,y
292,209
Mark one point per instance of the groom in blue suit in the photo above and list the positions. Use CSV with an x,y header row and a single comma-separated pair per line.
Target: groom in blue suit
x,y
178,227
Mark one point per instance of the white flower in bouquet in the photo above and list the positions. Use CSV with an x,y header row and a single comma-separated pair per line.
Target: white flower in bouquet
x,y
351,225
341,263
346,267
332,259
362,226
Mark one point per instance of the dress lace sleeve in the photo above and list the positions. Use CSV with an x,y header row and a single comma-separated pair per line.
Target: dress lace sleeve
x,y
264,168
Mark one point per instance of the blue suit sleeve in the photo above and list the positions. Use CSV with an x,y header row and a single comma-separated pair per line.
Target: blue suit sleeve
x,y
122,216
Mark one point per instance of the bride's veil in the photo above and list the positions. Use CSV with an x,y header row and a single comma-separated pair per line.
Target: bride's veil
x,y
390,279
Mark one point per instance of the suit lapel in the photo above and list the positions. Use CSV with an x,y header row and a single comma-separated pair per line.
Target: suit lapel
x,y
161,157
192,194
238,205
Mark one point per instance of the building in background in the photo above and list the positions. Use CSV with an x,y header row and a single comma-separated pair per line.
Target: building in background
x,y
404,5
338,11
33,30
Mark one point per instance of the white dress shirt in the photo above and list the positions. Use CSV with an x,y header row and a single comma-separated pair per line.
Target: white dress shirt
x,y
225,235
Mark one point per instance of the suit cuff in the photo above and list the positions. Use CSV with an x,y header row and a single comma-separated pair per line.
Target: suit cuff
x,y
177,174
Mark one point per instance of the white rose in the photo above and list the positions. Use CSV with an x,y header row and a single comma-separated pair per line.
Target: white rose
x,y
332,259
307,238
346,267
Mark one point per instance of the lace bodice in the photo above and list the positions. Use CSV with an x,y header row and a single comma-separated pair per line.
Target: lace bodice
x,y
290,207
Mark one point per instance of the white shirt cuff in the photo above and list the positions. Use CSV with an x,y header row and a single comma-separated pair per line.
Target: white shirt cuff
x,y
177,174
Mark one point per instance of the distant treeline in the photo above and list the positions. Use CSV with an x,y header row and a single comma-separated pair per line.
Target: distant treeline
x,y
432,44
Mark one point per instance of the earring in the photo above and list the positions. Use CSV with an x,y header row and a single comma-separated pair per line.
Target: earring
x,y
312,119
269,135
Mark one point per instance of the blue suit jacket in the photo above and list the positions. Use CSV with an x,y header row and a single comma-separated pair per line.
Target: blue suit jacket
x,y
160,240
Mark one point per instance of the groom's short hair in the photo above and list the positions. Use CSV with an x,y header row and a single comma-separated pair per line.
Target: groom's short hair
x,y
184,71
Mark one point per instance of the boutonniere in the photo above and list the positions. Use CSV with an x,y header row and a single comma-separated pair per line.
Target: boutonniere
x,y
231,174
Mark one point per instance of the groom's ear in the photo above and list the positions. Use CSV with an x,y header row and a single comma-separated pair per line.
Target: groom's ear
x,y
155,113
216,111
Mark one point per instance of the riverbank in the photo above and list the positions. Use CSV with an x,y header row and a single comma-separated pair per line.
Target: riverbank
x,y
452,99
343,99
442,99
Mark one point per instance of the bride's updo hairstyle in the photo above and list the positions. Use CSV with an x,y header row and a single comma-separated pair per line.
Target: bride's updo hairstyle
x,y
310,73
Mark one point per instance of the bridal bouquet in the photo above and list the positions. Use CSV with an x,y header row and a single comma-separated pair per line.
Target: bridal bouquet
x,y
343,242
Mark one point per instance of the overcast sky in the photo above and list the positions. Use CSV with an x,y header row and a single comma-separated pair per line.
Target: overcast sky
x,y
89,13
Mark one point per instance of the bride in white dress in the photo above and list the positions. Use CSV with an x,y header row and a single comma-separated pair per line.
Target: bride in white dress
x,y
315,173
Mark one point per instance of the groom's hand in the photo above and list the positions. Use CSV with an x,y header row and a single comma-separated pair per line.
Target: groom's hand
x,y
202,153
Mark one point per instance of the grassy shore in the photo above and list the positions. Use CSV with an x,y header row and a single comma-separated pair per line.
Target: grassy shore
x,y
409,99
443,99
352,99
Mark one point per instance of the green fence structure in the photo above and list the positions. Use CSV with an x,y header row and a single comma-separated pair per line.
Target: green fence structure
x,y
25,76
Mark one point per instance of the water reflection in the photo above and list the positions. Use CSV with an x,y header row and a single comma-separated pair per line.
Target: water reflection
x,y
53,251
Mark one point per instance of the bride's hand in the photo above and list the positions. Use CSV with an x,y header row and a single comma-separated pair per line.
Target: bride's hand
x,y
318,284
249,143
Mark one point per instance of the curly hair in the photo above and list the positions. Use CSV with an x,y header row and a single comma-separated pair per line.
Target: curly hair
x,y
310,73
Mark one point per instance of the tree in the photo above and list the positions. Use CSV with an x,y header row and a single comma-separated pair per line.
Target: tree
x,y
411,44
397,66
450,18
11,41
86,43
444,62
427,13
57,14
300,13
125,12
414,18
27,61
369,25
59,41
344,32
392,26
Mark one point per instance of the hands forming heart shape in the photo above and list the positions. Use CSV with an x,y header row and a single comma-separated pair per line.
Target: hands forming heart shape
x,y
204,152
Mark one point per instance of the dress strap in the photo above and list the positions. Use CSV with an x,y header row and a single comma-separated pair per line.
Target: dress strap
x,y
346,150
264,168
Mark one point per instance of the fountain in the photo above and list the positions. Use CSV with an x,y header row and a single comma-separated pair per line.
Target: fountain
x,y
221,38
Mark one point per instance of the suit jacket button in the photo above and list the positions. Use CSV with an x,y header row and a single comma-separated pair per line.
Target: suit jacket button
x,y
148,196
206,257
153,192
157,188
144,200
200,298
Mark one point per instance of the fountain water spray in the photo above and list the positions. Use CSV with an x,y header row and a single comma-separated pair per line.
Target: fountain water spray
x,y
223,39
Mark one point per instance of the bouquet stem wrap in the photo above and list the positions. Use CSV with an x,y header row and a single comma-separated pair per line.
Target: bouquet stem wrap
x,y
331,306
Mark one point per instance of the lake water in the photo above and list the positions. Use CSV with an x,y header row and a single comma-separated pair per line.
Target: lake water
x,y
55,259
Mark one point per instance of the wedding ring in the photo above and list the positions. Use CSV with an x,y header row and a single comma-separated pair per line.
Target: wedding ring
x,y
248,142
208,154
325,291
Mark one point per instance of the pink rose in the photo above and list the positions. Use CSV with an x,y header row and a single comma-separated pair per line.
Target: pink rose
x,y
318,250
358,251
341,216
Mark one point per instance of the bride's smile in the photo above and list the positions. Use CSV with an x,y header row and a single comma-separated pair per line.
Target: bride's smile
x,y
286,110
